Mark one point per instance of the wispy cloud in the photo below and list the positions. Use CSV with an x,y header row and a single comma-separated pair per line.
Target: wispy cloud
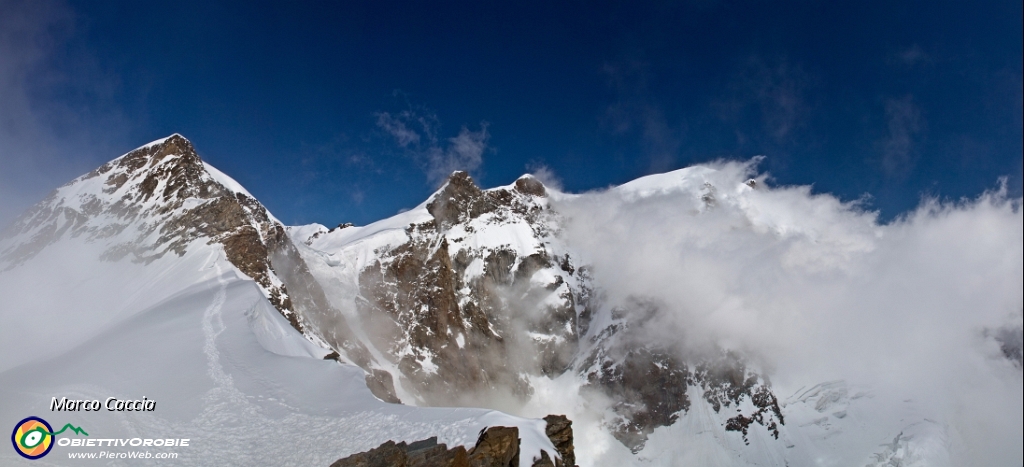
x,y
636,112
545,174
776,89
463,152
416,132
398,127
905,126
45,140
912,55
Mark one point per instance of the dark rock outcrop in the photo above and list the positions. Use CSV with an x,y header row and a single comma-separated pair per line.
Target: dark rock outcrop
x,y
497,446
531,186
648,382
426,453
382,386
559,431
649,390
1011,342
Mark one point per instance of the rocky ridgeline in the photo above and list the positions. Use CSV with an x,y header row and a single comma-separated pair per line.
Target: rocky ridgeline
x,y
464,321
460,336
160,199
497,446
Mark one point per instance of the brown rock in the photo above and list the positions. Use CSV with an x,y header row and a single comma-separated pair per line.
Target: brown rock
x,y
425,453
498,446
428,453
559,431
382,385
388,454
531,186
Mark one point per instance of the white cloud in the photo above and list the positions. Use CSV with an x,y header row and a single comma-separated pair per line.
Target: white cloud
x,y
905,125
545,175
814,289
396,127
416,133
464,152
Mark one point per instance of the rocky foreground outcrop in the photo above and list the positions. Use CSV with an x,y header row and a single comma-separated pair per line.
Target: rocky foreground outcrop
x,y
497,446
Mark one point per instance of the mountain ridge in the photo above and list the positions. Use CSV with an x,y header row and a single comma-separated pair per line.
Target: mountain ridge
x,y
474,298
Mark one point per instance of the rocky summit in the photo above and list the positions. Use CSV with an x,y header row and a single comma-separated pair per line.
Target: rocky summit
x,y
162,199
460,301
467,298
470,295
647,313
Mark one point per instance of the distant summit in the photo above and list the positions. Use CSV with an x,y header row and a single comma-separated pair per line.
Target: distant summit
x,y
160,199
507,298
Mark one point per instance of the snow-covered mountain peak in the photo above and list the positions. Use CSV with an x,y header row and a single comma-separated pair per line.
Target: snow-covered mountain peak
x,y
158,199
708,185
621,308
676,180
157,276
459,296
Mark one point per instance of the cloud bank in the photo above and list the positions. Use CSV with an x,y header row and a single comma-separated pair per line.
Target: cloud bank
x,y
813,289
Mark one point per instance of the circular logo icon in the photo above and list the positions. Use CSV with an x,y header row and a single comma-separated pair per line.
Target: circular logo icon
x,y
32,438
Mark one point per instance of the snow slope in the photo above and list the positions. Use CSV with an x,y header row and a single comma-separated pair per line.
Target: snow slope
x,y
188,330
880,343
229,373
834,307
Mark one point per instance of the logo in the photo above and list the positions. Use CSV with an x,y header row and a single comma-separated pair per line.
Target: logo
x,y
33,437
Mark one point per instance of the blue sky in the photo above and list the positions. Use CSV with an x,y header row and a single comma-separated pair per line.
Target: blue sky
x,y
349,111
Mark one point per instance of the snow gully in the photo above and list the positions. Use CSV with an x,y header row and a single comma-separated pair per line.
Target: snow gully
x,y
112,404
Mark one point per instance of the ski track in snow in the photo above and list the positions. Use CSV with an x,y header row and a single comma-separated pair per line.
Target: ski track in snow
x,y
235,429
256,409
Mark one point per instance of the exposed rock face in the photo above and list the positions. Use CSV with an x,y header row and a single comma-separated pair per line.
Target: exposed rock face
x,y
161,199
463,319
726,381
497,446
466,317
648,387
382,385
559,431
426,453
649,382
1011,342
164,197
